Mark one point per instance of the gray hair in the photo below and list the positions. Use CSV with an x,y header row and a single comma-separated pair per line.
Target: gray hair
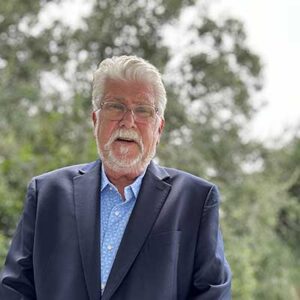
x,y
128,68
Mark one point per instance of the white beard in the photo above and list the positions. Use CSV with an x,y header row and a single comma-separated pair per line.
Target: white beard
x,y
125,164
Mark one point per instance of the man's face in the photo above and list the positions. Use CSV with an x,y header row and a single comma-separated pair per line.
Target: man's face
x,y
126,146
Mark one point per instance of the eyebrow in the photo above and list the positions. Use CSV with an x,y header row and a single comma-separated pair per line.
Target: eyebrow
x,y
114,98
139,100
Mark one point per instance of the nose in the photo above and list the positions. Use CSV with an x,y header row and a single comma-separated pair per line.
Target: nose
x,y
128,120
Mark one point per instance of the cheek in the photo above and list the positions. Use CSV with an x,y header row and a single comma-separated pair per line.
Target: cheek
x,y
103,131
150,137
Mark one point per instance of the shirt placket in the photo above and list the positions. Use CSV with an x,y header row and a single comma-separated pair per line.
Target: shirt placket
x,y
116,223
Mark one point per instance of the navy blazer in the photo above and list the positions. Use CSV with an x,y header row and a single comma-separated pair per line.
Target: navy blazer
x,y
172,247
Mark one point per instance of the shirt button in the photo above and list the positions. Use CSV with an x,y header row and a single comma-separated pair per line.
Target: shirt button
x,y
109,247
117,213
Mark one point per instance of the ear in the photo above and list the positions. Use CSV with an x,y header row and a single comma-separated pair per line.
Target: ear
x,y
161,126
94,119
160,130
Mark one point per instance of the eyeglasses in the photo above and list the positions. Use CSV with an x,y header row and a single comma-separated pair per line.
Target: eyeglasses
x,y
115,111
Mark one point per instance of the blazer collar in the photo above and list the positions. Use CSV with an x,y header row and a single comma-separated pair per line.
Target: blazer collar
x,y
87,211
152,195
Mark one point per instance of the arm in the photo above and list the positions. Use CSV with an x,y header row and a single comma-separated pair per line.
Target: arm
x,y
17,278
212,276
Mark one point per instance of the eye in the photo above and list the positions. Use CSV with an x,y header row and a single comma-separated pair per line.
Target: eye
x,y
114,106
144,111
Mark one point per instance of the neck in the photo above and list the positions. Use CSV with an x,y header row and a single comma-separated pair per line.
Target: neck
x,y
121,180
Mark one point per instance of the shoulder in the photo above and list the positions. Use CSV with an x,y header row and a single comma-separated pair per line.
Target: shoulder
x,y
175,173
65,174
187,185
180,177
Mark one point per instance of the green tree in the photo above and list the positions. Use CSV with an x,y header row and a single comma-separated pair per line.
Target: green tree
x,y
284,163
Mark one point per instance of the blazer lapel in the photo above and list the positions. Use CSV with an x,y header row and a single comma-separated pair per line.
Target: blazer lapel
x,y
152,196
87,210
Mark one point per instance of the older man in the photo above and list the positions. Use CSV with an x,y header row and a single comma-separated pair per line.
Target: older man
x,y
121,227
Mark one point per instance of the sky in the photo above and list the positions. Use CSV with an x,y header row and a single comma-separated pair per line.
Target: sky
x,y
273,32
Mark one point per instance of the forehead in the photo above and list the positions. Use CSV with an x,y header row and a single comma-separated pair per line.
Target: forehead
x,y
128,89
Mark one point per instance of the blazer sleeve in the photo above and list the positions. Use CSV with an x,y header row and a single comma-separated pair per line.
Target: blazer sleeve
x,y
17,278
212,276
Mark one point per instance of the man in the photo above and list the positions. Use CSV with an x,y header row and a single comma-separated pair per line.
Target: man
x,y
121,227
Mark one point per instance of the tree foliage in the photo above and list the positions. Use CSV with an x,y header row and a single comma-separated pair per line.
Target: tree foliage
x,y
211,75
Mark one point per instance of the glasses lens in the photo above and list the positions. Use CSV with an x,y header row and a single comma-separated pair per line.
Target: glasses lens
x,y
143,112
114,110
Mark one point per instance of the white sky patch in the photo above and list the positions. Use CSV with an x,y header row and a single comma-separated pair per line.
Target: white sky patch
x,y
70,12
272,29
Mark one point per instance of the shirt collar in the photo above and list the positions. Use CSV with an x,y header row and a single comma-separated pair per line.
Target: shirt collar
x,y
134,187
104,179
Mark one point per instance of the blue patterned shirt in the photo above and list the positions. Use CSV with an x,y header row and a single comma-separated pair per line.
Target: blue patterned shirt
x,y
115,213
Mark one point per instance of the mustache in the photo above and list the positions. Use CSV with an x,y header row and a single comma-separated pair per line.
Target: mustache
x,y
122,133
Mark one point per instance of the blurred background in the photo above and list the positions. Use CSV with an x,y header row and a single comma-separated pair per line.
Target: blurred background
x,y
232,114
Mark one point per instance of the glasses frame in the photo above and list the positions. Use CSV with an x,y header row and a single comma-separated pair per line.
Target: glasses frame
x,y
142,120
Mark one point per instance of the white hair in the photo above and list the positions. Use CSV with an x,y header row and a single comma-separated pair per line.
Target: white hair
x,y
128,68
